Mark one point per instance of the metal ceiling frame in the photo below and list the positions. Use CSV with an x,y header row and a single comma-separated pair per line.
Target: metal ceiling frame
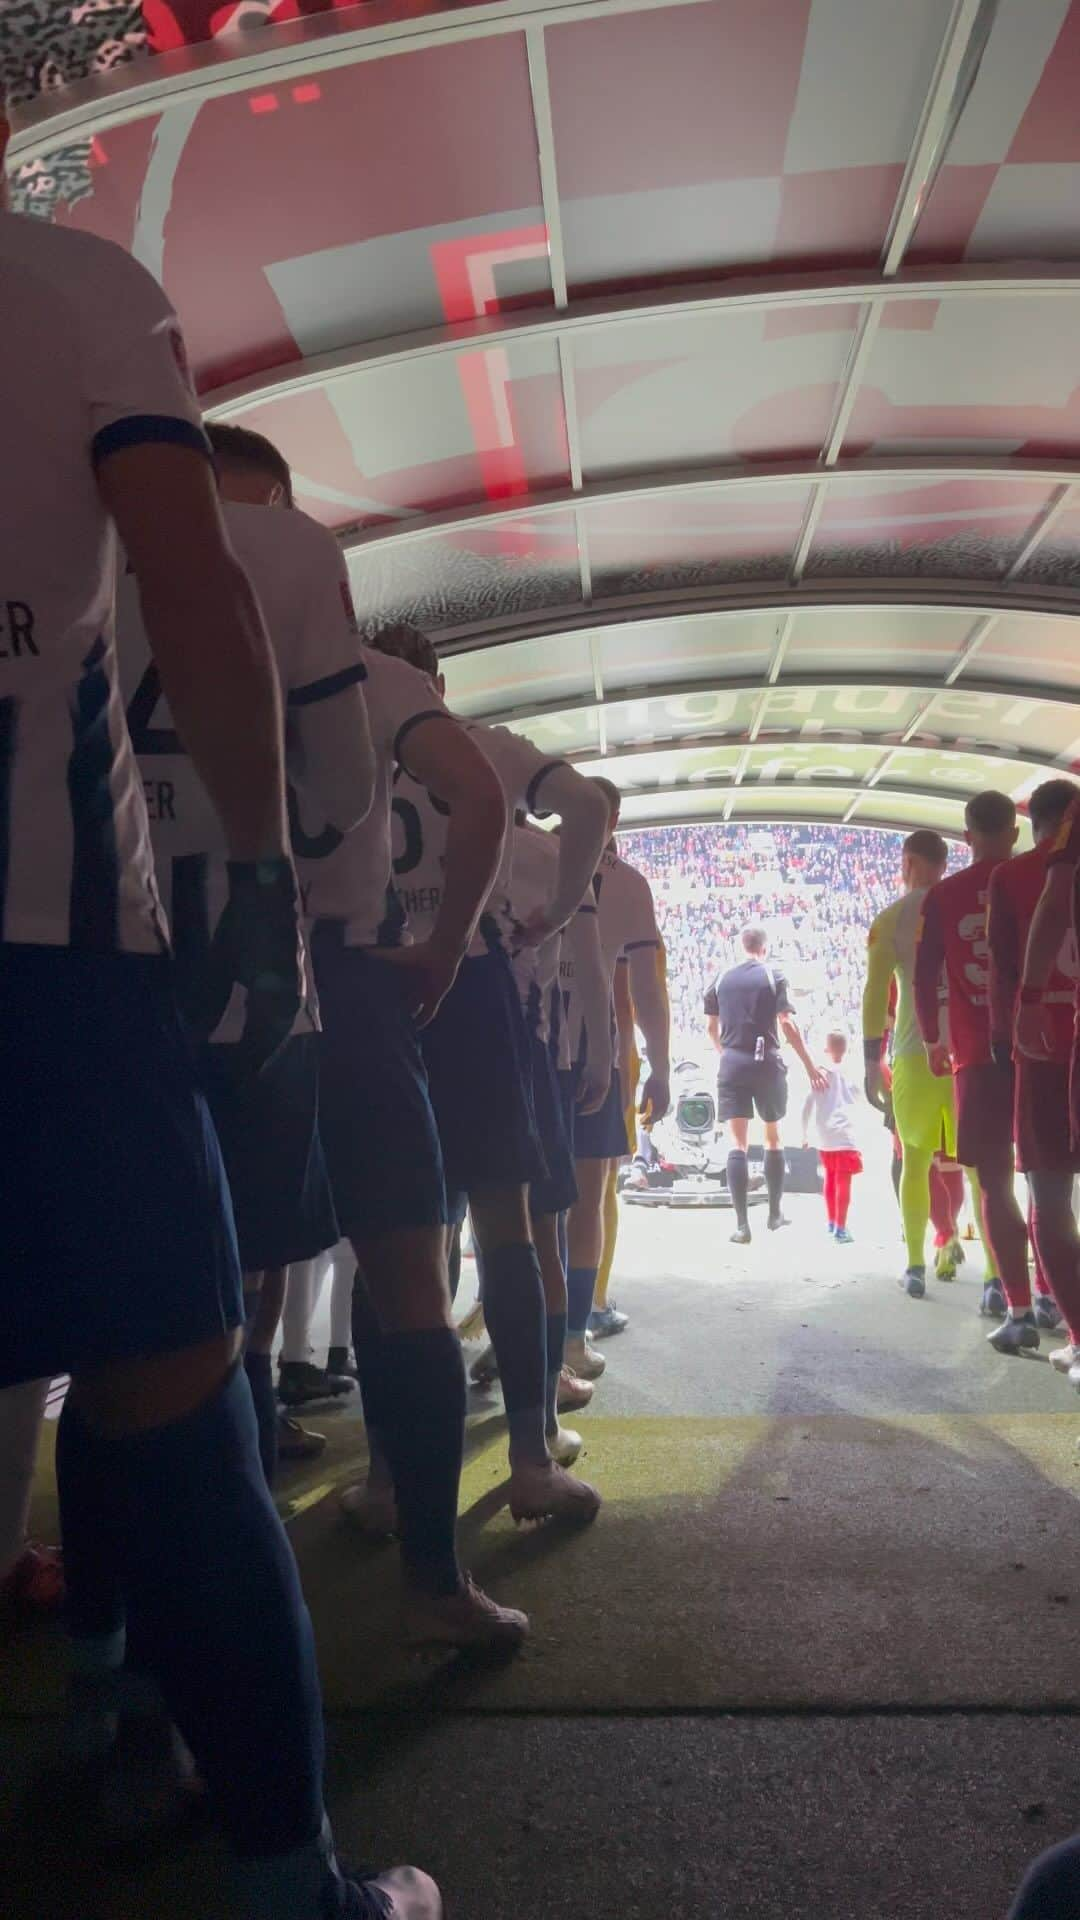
x,y
637,611
292,51
766,292
809,682
730,477
782,816
732,793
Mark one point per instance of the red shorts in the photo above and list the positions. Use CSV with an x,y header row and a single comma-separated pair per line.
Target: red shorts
x,y
984,1114
842,1159
1043,1144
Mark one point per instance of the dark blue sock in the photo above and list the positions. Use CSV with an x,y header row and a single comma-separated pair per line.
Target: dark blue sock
x,y
1051,1889
419,1406
556,1353
260,1374
204,1563
580,1288
564,1241
775,1170
516,1321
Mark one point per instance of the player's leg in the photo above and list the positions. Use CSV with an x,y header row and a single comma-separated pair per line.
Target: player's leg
x,y
480,1067
605,1318
1058,1244
31,1578
384,1159
828,1187
549,1198
918,1111
136,1290
738,1167
1044,1151
342,1269
585,1250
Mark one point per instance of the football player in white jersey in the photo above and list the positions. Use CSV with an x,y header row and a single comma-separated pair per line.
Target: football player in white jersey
x,y
120,1261
533,884
267,1124
381,1142
629,937
477,1057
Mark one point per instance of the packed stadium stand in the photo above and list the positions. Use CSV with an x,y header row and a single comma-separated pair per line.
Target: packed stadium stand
x,y
815,889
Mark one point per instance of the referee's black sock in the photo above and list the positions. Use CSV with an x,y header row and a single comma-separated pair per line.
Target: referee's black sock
x,y
738,1179
774,1179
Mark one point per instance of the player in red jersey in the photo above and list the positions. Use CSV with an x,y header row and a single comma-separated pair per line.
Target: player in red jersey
x,y
1044,1045
952,945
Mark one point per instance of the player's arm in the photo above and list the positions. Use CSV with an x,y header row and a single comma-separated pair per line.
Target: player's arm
x,y
581,940
712,1019
791,1031
330,753
652,1014
880,966
207,636
439,754
1049,926
331,756
1002,939
583,811
929,972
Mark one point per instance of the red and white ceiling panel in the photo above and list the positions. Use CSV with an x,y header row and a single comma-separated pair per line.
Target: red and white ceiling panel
x,y
686,390
375,447
1009,188
994,374
734,133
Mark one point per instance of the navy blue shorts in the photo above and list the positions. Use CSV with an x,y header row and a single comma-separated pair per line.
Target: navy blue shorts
x,y
602,1135
480,1074
557,1190
375,1117
269,1134
115,1221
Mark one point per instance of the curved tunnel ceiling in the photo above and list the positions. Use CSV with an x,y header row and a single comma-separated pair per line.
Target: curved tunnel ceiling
x,y
702,375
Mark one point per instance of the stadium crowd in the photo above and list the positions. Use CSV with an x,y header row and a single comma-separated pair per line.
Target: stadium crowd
x,y
816,888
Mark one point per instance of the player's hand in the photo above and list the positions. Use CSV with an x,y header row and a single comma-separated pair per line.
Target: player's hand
x,y
257,946
655,1099
874,1086
940,1060
428,972
818,1080
1033,1034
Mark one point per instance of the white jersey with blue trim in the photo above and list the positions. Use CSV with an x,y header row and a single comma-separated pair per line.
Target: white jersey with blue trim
x,y
299,575
346,879
420,831
626,915
91,362
533,883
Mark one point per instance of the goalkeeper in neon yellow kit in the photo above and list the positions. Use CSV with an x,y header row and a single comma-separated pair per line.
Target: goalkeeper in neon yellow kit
x,y
923,1102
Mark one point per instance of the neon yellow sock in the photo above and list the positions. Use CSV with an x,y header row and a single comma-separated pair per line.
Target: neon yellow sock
x,y
611,1234
915,1202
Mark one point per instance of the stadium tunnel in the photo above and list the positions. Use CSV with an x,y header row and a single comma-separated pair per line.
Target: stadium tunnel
x,y
702,375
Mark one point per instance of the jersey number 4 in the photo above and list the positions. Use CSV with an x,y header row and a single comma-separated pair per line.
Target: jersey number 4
x,y
145,737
